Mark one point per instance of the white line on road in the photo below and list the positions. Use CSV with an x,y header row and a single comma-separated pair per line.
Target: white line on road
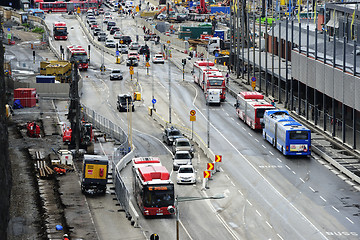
x,y
294,172
335,208
241,193
244,128
256,140
232,183
249,202
258,213
323,199
250,134
279,236
312,189
232,119
302,180
279,159
263,146
227,114
271,153
269,224
349,220
287,167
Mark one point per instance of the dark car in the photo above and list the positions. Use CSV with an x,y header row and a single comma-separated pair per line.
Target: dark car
x,y
110,24
170,134
125,102
101,37
96,31
144,50
114,29
125,40
132,61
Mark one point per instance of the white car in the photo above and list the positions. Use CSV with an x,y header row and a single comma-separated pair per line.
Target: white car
x,y
186,174
117,35
158,58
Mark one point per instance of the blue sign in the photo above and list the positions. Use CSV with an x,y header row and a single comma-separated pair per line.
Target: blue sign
x,y
216,54
253,79
154,101
117,53
8,29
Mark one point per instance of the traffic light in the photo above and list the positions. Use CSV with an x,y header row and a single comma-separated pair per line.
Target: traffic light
x,y
147,57
183,62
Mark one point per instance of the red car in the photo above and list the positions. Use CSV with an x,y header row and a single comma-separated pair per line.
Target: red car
x,y
134,54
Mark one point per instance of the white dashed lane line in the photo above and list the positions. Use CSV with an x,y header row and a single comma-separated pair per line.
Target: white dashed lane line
x,y
323,199
335,209
311,189
256,140
263,146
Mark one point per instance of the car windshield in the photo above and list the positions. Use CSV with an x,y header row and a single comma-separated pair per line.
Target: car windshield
x,y
174,133
116,71
186,170
182,156
158,56
123,99
183,144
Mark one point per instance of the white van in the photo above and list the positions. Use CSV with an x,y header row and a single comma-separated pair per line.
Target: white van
x,y
129,4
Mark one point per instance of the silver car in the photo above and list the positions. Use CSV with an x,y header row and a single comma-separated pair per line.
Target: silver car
x,y
186,175
181,158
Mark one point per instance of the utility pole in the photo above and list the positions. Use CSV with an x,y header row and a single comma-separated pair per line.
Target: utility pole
x,y
168,52
74,108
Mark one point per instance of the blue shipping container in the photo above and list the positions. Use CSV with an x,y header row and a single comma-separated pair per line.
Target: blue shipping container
x,y
45,79
220,34
220,9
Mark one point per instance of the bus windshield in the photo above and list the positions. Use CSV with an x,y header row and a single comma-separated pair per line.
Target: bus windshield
x,y
159,198
81,58
60,31
299,135
215,82
260,113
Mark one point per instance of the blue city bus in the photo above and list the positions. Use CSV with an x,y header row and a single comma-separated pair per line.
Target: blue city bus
x,y
285,134
37,13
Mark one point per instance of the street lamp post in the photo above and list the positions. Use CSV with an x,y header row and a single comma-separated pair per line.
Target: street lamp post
x,y
188,199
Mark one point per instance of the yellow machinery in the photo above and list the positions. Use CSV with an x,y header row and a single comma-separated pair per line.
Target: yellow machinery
x,y
60,69
95,174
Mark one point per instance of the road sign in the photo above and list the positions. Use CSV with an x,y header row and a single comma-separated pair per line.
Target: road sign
x,y
9,36
117,53
207,174
78,10
253,79
253,85
147,64
192,112
8,29
218,158
168,41
210,166
137,8
131,68
121,41
192,118
154,236
153,101
131,72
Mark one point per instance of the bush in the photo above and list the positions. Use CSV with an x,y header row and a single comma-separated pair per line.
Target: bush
x,y
27,25
38,30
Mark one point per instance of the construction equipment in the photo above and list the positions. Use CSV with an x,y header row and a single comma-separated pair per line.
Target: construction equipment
x,y
94,174
33,130
60,69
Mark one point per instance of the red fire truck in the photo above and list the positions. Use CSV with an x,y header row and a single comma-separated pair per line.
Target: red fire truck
x,y
78,54
60,31
250,107
153,189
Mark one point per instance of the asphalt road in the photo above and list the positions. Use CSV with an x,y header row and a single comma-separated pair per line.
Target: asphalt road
x,y
268,195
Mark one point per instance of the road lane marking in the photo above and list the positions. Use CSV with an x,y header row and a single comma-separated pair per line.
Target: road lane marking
x,y
249,202
263,146
269,224
258,213
311,189
335,208
271,153
349,220
302,180
323,199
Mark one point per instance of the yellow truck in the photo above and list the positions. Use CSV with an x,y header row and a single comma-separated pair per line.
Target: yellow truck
x,y
95,174
61,69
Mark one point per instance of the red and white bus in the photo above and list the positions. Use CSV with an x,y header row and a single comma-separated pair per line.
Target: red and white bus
x,y
62,6
207,76
60,31
250,107
215,80
153,189
77,54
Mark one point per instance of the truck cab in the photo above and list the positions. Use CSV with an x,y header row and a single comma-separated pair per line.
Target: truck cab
x,y
125,103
